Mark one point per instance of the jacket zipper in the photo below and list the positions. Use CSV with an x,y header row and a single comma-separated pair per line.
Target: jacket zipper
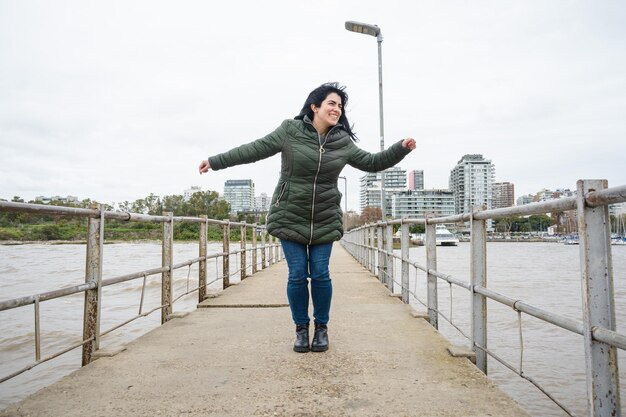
x,y
319,166
280,195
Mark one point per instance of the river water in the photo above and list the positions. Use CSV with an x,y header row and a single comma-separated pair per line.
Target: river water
x,y
543,274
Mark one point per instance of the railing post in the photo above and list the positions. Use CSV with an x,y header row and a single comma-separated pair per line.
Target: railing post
x,y
603,396
270,249
372,250
243,257
405,263
431,264
167,261
366,252
226,259
479,302
381,257
202,264
390,258
263,250
360,248
93,273
254,249
357,241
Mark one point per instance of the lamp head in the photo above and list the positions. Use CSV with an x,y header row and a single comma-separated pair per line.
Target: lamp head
x,y
365,28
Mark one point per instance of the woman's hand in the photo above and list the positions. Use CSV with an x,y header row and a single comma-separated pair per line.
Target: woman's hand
x,y
204,166
409,143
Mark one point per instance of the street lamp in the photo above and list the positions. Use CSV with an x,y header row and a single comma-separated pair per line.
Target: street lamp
x,y
374,30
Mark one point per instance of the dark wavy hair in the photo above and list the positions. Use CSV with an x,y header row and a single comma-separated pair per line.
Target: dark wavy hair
x,y
318,95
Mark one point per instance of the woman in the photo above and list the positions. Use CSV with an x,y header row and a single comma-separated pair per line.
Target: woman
x,y
305,211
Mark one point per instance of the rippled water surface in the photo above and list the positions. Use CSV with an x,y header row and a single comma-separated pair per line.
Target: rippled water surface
x,y
546,275
32,269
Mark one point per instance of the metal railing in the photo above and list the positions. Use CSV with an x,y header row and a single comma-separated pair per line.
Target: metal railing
x,y
92,288
372,246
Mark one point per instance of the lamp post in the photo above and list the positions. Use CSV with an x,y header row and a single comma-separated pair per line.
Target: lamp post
x,y
374,30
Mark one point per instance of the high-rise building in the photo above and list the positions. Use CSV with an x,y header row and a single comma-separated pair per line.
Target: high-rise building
x,y
472,180
239,194
525,199
544,195
189,192
262,202
503,195
395,181
416,179
416,203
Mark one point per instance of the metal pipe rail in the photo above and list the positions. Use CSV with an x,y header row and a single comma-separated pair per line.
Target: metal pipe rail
x,y
43,209
270,254
372,246
497,297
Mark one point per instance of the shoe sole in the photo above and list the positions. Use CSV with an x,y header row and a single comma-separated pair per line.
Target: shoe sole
x,y
319,348
301,349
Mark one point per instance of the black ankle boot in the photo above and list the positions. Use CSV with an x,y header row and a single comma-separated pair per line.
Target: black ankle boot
x,y
302,338
320,338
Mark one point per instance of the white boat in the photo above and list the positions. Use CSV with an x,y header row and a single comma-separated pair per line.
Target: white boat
x,y
619,237
570,240
443,237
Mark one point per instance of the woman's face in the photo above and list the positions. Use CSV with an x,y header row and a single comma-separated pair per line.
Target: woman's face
x,y
329,112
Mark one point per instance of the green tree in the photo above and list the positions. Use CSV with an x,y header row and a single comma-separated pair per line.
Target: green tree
x,y
124,206
200,202
153,205
139,206
534,223
505,224
174,204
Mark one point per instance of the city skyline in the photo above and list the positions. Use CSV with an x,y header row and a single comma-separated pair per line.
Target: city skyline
x,y
542,194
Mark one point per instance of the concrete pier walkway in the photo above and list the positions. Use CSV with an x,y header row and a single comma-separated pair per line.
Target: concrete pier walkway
x,y
234,357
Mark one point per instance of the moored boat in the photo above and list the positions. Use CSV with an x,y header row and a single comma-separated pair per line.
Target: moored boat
x,y
571,240
443,237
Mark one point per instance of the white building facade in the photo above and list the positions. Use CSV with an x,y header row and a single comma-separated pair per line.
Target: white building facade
x,y
190,191
472,181
262,202
395,181
416,203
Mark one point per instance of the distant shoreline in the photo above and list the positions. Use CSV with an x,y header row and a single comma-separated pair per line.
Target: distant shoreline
x,y
111,242
83,242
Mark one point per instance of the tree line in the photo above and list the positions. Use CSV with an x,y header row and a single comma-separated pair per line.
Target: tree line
x,y
515,224
19,226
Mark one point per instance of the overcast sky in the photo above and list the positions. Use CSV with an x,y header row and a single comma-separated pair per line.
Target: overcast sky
x,y
114,100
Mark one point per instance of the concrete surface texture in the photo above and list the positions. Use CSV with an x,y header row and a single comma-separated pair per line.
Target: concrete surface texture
x,y
233,357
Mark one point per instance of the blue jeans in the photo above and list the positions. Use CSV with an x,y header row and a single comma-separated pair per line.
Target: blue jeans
x,y
308,261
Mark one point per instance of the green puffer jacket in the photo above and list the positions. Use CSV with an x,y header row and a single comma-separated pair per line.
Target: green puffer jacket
x,y
305,207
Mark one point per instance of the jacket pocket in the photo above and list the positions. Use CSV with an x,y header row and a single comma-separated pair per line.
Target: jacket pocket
x,y
281,193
